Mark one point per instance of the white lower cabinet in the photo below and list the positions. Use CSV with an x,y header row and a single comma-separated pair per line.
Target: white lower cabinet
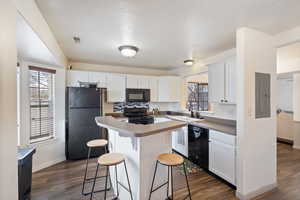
x,y
180,141
222,155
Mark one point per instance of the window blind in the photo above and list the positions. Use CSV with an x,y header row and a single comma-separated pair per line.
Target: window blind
x,y
41,103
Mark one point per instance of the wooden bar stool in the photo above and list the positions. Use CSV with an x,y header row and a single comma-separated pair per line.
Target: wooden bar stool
x,y
170,160
107,160
93,144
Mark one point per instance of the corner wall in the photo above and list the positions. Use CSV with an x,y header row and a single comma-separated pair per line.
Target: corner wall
x,y
256,138
8,102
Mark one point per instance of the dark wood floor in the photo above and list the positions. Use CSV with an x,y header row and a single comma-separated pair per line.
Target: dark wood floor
x,y
63,181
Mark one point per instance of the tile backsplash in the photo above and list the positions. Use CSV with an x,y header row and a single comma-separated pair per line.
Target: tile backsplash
x,y
119,107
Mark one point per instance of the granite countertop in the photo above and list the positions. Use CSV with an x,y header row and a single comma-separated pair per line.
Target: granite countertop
x,y
138,130
223,125
218,124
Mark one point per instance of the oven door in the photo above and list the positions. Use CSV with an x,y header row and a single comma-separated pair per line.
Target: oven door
x,y
137,95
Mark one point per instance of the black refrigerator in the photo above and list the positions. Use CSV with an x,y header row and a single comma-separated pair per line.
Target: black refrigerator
x,y
82,106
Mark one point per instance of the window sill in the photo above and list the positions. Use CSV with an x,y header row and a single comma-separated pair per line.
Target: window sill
x,y
43,141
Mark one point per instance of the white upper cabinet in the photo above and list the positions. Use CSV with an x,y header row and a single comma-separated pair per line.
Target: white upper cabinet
x,y
222,81
137,81
144,82
216,81
132,81
169,88
116,85
153,86
99,78
230,80
74,77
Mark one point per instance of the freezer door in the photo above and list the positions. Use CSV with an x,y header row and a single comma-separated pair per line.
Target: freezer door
x,y
81,129
84,97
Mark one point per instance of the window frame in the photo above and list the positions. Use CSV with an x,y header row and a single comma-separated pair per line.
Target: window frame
x,y
199,100
53,134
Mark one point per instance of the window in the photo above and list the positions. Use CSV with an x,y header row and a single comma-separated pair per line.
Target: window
x,y
197,96
41,85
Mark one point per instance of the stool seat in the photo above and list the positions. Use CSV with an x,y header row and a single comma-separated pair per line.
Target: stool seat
x,y
110,159
170,159
97,143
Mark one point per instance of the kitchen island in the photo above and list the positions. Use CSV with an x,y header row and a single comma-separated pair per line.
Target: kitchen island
x,y
141,144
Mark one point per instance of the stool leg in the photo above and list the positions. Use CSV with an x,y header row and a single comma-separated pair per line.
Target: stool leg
x,y
106,151
107,171
168,182
128,180
187,182
153,180
117,184
172,183
93,188
86,168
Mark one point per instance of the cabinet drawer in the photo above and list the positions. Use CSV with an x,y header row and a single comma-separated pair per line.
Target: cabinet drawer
x,y
222,137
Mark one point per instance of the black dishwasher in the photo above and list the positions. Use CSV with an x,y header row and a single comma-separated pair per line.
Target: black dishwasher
x,y
198,146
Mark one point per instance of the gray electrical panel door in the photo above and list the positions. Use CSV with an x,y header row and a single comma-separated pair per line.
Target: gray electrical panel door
x,y
262,95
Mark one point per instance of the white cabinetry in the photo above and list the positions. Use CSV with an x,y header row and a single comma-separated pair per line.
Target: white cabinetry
x,y
116,87
180,141
169,89
99,78
222,81
134,81
222,155
230,82
75,77
153,86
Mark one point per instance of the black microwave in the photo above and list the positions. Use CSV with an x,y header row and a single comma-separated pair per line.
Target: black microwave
x,y
137,95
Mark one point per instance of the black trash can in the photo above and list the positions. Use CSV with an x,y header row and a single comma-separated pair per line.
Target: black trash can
x,y
25,172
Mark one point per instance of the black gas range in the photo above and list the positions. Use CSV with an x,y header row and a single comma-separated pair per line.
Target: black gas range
x,y
138,115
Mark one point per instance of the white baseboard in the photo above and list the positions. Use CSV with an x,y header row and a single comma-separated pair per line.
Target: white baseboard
x,y
296,147
48,164
255,193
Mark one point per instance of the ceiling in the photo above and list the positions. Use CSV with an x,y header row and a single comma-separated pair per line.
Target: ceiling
x,y
166,31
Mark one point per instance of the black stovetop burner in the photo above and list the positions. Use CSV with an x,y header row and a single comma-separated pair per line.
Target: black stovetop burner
x,y
141,120
138,115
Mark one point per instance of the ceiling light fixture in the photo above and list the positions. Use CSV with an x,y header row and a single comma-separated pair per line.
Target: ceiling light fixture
x,y
128,51
189,62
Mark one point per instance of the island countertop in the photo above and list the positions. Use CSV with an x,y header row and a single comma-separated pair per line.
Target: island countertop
x,y
138,130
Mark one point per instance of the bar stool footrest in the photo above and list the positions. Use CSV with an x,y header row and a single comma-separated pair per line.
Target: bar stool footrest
x,y
158,187
88,180
123,186
97,191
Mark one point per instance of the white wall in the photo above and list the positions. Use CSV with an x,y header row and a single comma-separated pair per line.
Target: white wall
x,y
288,58
52,151
8,102
296,96
285,94
31,13
256,138
296,108
116,69
202,65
